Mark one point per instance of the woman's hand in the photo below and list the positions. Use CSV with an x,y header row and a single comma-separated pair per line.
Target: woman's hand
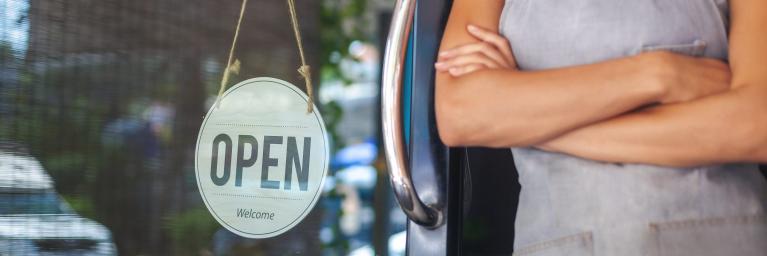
x,y
536,106
493,52
684,78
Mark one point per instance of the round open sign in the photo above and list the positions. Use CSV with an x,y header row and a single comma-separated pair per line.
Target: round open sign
x,y
261,159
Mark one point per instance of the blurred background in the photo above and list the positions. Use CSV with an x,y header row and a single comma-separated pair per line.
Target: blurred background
x,y
100,106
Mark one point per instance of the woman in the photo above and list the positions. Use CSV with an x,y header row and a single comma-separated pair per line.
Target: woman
x,y
635,124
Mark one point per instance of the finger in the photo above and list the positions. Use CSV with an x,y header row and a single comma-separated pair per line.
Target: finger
x,y
716,63
465,70
441,66
712,79
494,38
711,68
474,58
718,75
698,68
485,48
713,86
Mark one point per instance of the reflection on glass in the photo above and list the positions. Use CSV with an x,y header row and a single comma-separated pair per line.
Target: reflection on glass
x,y
31,203
33,218
109,95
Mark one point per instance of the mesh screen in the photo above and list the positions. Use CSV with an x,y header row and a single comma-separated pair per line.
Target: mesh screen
x,y
100,105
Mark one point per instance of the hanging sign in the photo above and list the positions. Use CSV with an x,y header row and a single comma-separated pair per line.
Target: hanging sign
x,y
261,158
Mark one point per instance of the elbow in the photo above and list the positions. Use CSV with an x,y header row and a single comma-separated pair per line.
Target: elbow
x,y
450,137
754,136
754,145
461,123
449,111
760,133
466,118
761,155
750,135
455,110
453,135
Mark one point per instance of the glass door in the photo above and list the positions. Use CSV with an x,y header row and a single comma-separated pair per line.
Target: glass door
x,y
101,103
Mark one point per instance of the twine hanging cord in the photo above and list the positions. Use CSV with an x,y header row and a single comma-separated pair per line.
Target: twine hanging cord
x,y
304,70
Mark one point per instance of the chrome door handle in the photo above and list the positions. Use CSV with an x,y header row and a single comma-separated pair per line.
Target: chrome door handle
x,y
391,105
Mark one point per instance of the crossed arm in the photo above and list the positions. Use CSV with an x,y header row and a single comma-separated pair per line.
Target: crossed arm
x,y
700,123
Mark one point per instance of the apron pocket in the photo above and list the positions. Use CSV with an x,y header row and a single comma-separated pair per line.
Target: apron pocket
x,y
581,244
694,49
742,236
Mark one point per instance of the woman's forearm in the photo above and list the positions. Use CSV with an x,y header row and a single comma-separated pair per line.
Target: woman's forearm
x,y
496,107
729,127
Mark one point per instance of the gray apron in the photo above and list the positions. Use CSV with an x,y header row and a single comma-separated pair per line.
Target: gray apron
x,y
574,206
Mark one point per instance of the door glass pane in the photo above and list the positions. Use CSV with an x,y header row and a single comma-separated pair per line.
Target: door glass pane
x,y
101,102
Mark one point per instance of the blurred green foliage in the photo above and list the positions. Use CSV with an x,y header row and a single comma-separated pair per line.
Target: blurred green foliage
x,y
192,231
342,22
82,205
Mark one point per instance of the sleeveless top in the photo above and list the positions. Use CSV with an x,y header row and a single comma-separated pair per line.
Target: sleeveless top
x,y
574,206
